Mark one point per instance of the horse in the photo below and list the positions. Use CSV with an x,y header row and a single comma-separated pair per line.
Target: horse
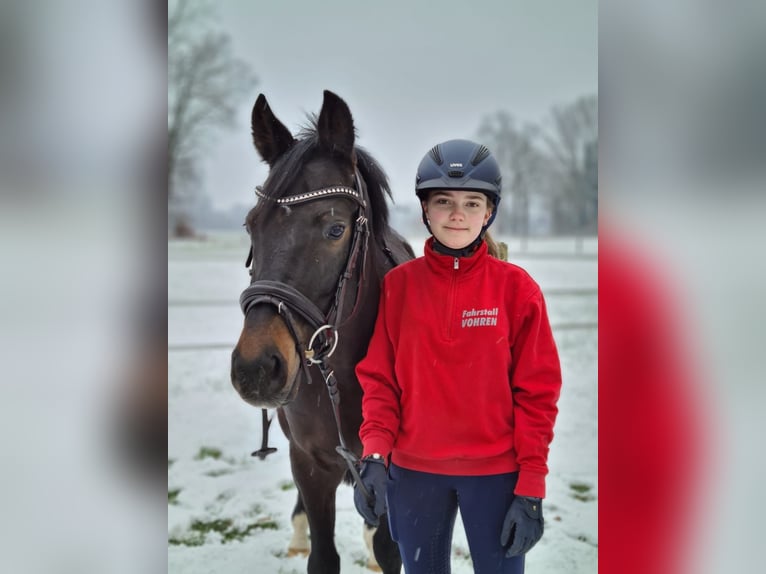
x,y
320,246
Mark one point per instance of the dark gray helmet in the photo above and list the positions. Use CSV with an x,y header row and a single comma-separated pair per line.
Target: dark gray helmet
x,y
463,165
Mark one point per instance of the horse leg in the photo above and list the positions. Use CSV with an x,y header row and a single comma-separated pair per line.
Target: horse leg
x,y
299,544
317,485
368,531
386,550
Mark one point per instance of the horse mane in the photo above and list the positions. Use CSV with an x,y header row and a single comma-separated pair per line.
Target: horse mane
x,y
282,176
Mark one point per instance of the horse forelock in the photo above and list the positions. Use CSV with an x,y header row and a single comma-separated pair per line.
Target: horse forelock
x,y
284,172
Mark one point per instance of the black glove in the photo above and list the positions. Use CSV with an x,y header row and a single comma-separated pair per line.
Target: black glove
x,y
374,477
523,526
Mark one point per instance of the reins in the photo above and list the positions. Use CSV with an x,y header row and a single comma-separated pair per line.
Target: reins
x,y
289,300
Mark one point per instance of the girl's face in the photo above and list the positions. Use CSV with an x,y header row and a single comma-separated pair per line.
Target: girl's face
x,y
456,217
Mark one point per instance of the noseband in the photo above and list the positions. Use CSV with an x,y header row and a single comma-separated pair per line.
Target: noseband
x,y
290,301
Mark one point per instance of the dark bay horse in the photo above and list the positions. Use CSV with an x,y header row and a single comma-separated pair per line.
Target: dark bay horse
x,y
320,247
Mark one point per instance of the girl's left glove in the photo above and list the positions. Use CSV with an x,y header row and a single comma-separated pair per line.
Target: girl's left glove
x,y
523,525
374,476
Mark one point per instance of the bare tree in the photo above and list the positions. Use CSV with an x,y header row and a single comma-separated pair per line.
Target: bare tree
x,y
522,164
571,139
205,83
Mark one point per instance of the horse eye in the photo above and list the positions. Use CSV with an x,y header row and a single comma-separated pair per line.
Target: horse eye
x,y
336,231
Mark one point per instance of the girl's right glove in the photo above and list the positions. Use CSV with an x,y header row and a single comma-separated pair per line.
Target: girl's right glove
x,y
523,525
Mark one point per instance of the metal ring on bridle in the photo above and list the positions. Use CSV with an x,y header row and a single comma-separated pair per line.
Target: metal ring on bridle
x,y
314,361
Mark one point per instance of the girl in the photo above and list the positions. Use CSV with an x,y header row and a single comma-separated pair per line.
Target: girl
x,y
460,383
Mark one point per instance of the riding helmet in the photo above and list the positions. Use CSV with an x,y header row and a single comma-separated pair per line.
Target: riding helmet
x,y
462,165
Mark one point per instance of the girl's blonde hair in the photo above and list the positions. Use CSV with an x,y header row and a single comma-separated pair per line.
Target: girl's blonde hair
x,y
492,248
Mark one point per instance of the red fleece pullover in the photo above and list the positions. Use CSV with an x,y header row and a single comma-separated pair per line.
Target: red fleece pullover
x,y
462,375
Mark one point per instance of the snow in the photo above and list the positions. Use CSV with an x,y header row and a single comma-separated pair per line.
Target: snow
x,y
211,431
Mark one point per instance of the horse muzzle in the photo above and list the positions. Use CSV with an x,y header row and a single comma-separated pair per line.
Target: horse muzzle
x,y
263,381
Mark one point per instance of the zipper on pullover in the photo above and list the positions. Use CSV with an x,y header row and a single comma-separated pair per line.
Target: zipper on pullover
x,y
451,306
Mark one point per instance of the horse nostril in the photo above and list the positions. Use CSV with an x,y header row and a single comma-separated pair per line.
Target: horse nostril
x,y
277,364
263,376
276,382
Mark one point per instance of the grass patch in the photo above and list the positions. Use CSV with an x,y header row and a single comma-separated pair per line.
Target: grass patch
x,y
580,487
584,497
223,526
170,462
173,495
208,452
219,472
191,540
582,491
266,524
286,485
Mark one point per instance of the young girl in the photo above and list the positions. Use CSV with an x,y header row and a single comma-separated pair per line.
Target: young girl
x,y
460,383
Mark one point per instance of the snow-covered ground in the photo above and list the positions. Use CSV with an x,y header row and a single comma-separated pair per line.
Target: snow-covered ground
x,y
229,512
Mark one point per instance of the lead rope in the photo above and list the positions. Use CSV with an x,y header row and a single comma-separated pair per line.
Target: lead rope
x,y
352,461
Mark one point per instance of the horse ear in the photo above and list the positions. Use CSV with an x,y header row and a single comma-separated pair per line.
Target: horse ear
x,y
270,136
335,127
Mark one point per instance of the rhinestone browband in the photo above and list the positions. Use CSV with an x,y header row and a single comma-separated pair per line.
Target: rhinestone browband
x,y
316,194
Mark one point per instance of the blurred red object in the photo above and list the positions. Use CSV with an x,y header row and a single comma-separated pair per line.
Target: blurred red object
x,y
650,431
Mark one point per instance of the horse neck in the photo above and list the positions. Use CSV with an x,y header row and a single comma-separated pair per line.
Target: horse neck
x,y
356,329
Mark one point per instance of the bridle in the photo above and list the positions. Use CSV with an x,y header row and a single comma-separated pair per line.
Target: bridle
x,y
290,302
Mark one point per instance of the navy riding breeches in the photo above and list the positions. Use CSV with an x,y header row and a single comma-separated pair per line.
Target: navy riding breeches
x,y
421,511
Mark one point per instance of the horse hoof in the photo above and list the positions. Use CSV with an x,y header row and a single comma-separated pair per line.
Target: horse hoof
x,y
292,552
374,567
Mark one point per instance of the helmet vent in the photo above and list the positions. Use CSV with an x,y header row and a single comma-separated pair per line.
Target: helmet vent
x,y
480,155
436,155
455,173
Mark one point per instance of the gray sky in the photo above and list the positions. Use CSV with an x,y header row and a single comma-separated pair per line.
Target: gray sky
x,y
413,73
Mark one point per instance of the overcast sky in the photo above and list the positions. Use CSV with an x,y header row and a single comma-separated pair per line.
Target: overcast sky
x,y
412,72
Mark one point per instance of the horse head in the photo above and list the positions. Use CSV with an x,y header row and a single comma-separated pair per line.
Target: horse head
x,y
307,232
